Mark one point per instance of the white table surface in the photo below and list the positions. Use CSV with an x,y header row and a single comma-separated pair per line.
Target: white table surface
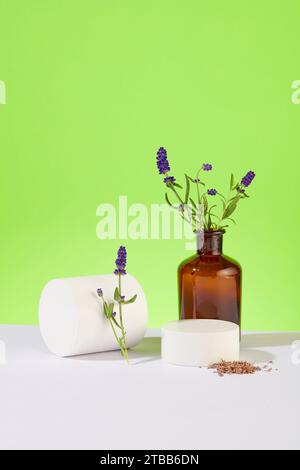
x,y
98,402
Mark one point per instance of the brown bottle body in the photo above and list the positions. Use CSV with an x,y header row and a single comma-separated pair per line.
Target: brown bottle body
x,y
210,283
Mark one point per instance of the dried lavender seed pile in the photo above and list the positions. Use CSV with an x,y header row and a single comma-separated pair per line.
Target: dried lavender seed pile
x,y
238,367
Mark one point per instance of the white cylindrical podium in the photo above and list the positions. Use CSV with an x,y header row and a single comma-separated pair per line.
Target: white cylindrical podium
x,y
71,314
200,343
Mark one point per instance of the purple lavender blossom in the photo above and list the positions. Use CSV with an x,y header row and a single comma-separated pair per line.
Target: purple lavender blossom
x,y
247,180
114,314
120,271
162,161
169,179
100,292
206,167
121,261
212,192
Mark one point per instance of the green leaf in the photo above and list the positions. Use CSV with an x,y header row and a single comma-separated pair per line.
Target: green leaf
x,y
212,207
116,322
231,181
229,210
117,295
221,195
193,203
130,301
187,189
209,222
177,185
190,178
105,309
168,200
236,198
205,203
108,310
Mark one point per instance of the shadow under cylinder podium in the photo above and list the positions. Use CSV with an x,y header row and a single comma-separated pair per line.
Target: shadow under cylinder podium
x,y
72,320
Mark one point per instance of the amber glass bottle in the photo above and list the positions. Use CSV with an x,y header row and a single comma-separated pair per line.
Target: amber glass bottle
x,y
210,283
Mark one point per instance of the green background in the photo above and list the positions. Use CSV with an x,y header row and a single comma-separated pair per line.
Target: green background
x,y
94,87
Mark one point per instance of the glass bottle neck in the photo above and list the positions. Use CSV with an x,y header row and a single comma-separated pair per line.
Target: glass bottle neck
x,y
210,243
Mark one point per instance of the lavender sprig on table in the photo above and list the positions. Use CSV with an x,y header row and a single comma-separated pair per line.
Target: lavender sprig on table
x,y
197,210
116,321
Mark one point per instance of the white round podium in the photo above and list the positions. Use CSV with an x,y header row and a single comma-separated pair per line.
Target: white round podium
x,y
72,320
200,343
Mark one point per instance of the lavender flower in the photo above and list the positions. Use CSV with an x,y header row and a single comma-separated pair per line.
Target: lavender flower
x,y
206,167
120,271
121,261
169,179
247,180
100,292
212,192
162,161
119,298
210,221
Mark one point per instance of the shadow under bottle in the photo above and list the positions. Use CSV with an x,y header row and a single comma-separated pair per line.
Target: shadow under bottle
x,y
209,282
